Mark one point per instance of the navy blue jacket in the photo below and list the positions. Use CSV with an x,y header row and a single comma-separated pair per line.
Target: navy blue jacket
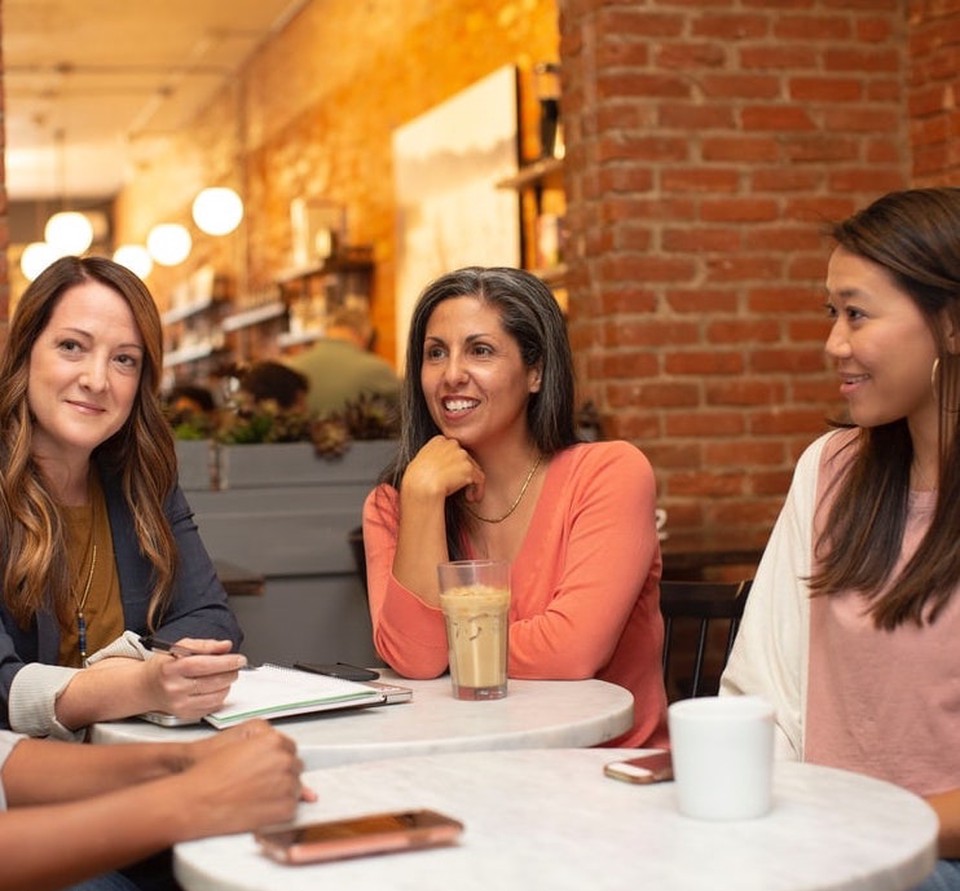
x,y
198,606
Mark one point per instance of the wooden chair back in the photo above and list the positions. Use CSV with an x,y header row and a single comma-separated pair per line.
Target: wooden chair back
x,y
700,624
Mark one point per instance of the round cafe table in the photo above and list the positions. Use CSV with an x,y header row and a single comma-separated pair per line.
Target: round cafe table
x,y
550,819
534,714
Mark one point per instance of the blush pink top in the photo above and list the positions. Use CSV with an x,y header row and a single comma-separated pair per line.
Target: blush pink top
x,y
884,703
585,585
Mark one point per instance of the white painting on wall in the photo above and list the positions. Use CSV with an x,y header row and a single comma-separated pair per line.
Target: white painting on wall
x,y
447,163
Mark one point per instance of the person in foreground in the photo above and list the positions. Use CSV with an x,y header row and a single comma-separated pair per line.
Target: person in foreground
x,y
489,466
97,541
852,623
107,806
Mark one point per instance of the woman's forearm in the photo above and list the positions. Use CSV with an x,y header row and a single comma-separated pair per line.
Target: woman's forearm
x,y
947,806
49,772
421,545
245,777
115,688
56,846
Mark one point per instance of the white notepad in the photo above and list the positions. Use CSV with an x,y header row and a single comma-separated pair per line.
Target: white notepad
x,y
271,691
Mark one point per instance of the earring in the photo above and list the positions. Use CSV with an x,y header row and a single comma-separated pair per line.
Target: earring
x,y
934,375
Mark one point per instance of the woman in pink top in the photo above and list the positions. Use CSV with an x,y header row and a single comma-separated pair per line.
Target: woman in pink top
x,y
489,466
854,616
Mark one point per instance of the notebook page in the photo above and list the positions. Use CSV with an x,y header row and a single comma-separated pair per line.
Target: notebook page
x,y
270,691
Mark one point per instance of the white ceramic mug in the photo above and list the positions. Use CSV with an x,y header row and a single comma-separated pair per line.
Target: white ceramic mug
x,y
722,756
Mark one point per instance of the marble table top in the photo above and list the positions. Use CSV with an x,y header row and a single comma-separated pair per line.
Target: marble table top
x,y
534,714
549,819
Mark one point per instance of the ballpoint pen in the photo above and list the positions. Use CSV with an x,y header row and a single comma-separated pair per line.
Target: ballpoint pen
x,y
165,646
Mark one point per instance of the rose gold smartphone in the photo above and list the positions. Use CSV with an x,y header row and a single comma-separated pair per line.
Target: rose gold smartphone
x,y
656,767
356,836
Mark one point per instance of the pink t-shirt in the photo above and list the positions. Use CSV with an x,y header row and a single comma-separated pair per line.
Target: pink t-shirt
x,y
585,585
883,703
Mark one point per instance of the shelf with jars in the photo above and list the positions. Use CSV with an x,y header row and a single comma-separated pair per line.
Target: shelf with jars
x,y
208,329
192,325
311,294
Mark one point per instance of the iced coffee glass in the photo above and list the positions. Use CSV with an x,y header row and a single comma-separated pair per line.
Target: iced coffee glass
x,y
475,599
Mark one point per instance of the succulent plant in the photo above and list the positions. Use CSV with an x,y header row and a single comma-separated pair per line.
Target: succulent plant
x,y
371,416
330,436
246,421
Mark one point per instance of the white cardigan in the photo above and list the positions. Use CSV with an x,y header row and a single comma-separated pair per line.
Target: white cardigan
x,y
770,656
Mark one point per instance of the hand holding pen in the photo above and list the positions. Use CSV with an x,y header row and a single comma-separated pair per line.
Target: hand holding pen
x,y
196,679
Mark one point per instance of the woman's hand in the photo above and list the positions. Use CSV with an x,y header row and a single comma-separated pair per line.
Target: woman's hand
x,y
192,686
441,468
211,747
241,779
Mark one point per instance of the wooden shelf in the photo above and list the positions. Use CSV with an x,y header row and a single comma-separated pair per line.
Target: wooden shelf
x,y
534,174
191,353
253,316
179,313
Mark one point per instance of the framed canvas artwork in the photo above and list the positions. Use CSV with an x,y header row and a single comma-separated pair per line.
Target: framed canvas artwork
x,y
447,163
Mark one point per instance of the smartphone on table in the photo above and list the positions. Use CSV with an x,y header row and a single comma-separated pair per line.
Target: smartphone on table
x,y
356,836
655,767
339,670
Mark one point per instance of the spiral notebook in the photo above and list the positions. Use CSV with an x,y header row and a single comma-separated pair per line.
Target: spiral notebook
x,y
272,691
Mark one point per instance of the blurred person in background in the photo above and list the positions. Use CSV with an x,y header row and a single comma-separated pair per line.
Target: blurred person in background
x,y
340,366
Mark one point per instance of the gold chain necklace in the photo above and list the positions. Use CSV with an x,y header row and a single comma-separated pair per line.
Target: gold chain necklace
x,y
517,500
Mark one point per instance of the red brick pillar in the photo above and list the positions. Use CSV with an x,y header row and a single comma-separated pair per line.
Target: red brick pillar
x,y
934,93
705,145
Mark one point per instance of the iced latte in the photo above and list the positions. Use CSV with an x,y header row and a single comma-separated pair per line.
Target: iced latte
x,y
476,616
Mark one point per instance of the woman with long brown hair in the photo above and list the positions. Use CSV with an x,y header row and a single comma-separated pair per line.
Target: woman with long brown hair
x,y
97,540
854,615
489,465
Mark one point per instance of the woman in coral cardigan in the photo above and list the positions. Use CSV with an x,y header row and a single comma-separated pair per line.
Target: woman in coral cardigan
x,y
489,466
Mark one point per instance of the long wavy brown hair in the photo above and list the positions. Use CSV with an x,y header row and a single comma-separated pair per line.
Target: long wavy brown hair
x,y
915,236
32,539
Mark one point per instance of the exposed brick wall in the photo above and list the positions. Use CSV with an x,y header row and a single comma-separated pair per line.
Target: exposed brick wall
x,y
706,142
933,91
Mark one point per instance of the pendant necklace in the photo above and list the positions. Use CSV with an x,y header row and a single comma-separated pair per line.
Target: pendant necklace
x,y
81,602
517,500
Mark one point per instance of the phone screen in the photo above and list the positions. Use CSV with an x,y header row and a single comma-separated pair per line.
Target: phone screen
x,y
351,837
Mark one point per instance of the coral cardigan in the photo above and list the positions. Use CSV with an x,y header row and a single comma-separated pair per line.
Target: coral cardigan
x,y
585,585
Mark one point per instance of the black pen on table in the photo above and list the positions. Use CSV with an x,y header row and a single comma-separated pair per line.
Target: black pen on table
x,y
157,645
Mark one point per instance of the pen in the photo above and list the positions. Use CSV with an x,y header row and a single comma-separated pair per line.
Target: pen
x,y
165,646
158,645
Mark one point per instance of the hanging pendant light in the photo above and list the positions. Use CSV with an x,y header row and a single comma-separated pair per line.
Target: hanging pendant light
x,y
36,257
217,210
169,243
69,232
135,257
